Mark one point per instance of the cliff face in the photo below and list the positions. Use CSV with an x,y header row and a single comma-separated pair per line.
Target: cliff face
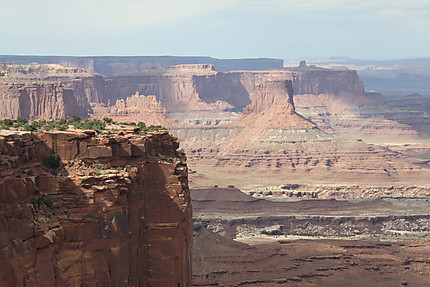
x,y
114,212
36,101
176,93
345,84
37,91
269,94
202,83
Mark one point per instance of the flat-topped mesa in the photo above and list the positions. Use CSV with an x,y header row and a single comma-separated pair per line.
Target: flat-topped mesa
x,y
78,209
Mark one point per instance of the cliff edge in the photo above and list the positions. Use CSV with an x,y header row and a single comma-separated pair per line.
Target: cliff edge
x,y
80,209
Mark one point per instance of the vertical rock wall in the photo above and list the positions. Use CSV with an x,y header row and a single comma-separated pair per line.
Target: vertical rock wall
x,y
35,101
115,212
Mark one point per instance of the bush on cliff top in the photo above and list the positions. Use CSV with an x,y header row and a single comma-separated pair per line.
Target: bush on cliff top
x,y
62,125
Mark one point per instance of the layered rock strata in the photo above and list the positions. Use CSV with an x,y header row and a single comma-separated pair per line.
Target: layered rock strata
x,y
138,108
251,121
114,211
38,92
268,163
272,143
231,213
36,101
198,95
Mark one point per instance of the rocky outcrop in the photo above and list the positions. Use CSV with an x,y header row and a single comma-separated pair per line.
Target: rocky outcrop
x,y
113,211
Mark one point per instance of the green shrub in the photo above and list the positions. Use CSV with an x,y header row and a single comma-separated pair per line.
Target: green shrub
x,y
40,202
6,124
108,120
128,124
21,121
30,128
96,125
100,167
62,125
53,161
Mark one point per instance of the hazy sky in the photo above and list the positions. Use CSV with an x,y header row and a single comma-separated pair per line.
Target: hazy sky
x,y
219,28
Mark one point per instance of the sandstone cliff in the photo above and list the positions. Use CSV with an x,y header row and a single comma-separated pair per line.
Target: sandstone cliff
x,y
36,101
200,95
115,211
269,94
197,94
37,91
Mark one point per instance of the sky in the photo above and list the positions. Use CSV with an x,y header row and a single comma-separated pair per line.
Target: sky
x,y
375,29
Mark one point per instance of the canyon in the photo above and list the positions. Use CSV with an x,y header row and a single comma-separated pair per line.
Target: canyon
x,y
298,175
304,123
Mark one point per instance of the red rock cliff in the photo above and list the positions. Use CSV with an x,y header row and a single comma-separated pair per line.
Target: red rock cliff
x,y
36,101
115,212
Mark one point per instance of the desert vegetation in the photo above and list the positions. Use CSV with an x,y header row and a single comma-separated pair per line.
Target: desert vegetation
x,y
75,122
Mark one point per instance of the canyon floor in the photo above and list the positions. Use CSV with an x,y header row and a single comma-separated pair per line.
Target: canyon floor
x,y
241,240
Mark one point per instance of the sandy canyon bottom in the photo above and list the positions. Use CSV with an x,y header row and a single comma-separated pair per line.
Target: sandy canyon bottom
x,y
241,240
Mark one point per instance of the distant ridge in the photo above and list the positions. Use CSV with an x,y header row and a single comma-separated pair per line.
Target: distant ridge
x,y
121,65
